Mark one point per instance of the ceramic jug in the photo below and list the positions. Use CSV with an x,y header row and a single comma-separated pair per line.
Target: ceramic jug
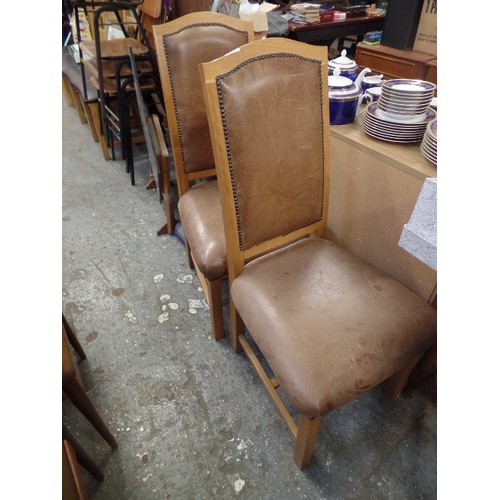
x,y
345,96
369,82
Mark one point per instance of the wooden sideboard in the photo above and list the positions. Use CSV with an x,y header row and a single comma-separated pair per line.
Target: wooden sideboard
x,y
374,186
395,63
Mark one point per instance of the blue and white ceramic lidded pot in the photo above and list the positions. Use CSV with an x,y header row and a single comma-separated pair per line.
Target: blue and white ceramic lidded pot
x,y
347,67
344,96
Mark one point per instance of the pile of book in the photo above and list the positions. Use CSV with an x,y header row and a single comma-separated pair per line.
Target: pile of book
x,y
305,12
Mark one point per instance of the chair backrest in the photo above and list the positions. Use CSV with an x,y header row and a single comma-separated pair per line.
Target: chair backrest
x,y
152,8
181,45
267,106
152,13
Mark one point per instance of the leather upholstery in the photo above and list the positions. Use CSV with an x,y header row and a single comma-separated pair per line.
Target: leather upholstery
x,y
269,108
186,49
329,325
201,215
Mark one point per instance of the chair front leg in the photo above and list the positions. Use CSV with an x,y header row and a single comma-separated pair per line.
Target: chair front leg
x,y
306,439
237,327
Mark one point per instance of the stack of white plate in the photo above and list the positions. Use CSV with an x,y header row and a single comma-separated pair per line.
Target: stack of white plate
x,y
402,111
429,142
406,97
381,126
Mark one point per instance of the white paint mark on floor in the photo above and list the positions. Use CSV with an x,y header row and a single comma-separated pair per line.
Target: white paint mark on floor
x,y
163,317
173,306
242,445
193,311
238,485
158,278
165,298
198,304
185,278
130,316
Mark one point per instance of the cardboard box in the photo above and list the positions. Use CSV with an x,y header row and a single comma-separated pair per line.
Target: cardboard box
x,y
426,37
259,20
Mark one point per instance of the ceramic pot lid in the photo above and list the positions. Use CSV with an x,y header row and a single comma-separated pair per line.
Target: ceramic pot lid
x,y
341,85
343,61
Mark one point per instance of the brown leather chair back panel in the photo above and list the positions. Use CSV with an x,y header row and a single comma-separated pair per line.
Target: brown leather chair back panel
x,y
275,108
187,48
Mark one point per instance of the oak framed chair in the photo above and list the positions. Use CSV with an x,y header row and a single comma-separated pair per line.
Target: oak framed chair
x,y
329,325
181,45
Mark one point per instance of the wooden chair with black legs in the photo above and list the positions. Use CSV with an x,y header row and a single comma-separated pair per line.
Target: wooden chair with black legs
x,y
105,59
329,325
181,45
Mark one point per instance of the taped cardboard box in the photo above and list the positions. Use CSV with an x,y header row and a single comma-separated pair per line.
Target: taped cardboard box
x,y
426,37
259,20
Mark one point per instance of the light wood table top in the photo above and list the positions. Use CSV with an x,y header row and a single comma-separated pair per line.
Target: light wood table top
x,y
406,157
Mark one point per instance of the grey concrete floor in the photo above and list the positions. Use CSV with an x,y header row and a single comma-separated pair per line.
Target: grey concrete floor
x,y
191,418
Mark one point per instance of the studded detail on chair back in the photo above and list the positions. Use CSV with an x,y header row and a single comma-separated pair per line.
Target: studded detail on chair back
x,y
182,51
275,137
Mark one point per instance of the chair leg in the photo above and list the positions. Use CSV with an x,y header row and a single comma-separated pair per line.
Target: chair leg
x,y
90,121
215,304
306,439
72,483
73,339
94,111
66,86
78,105
82,456
237,327
80,399
395,383
168,206
188,253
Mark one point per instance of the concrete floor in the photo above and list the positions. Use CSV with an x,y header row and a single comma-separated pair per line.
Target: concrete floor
x,y
191,418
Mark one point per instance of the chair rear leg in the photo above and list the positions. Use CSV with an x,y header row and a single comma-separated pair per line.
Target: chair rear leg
x,y
237,327
395,383
82,456
215,304
73,339
306,439
80,399
168,206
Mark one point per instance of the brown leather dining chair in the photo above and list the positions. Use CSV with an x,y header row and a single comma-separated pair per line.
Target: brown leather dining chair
x,y
329,325
181,45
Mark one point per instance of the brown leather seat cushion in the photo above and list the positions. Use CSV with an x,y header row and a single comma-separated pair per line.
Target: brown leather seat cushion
x,y
329,325
201,216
